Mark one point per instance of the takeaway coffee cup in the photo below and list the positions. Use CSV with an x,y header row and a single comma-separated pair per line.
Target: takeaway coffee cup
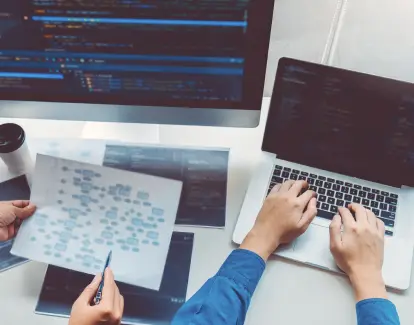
x,y
14,150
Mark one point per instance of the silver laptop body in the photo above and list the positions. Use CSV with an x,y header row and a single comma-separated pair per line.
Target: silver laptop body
x,y
393,204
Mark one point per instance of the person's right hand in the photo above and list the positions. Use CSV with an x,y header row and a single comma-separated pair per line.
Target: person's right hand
x,y
359,250
108,312
286,214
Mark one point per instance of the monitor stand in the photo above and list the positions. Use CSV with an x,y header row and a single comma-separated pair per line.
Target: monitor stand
x,y
125,132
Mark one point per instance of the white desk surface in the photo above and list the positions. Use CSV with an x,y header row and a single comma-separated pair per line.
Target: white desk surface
x,y
289,293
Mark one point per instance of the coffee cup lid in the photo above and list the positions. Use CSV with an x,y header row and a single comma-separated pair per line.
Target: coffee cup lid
x,y
12,137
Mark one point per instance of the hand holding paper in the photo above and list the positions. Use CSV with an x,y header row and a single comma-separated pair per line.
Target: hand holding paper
x,y
86,210
11,216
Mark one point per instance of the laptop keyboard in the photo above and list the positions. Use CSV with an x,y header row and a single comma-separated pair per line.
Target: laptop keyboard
x,y
333,193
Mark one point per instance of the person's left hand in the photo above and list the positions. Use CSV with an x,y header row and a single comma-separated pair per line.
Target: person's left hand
x,y
286,214
11,216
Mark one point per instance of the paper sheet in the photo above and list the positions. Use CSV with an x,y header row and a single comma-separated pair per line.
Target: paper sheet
x,y
61,288
204,172
84,211
87,151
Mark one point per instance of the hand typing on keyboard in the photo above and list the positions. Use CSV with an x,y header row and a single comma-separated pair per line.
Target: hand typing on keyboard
x,y
359,250
334,193
286,214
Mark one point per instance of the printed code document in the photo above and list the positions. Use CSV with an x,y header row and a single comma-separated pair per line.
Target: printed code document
x,y
84,211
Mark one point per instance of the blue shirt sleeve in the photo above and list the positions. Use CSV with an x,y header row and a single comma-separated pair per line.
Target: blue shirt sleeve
x,y
377,312
225,298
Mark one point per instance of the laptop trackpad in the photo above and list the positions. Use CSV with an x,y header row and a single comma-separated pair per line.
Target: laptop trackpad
x,y
313,248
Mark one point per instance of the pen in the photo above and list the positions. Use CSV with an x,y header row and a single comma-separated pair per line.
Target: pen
x,y
98,296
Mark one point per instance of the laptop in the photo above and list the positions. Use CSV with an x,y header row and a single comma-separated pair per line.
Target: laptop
x,y
351,137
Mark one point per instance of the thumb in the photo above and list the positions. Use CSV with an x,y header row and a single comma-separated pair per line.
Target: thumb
x,y
90,291
308,215
335,233
26,212
4,234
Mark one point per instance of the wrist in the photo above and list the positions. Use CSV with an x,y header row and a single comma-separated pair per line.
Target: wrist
x,y
367,285
259,243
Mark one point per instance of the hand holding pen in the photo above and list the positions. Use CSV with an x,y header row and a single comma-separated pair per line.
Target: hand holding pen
x,y
108,311
98,296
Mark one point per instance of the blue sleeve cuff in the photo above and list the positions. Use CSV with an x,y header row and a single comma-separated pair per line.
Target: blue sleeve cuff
x,y
377,311
361,303
243,267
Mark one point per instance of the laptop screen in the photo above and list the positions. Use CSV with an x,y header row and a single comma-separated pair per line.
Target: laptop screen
x,y
342,121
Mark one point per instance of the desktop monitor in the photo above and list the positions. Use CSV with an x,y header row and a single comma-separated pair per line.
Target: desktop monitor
x,y
194,62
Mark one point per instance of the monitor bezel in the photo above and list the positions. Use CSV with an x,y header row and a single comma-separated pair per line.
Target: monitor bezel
x,y
115,108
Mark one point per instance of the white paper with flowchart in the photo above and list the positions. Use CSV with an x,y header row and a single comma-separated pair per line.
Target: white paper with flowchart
x,y
84,211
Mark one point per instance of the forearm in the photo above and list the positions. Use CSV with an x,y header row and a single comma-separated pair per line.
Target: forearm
x,y
225,298
368,285
377,311
373,306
